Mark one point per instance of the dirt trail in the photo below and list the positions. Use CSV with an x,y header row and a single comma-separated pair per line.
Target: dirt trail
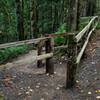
x,y
27,82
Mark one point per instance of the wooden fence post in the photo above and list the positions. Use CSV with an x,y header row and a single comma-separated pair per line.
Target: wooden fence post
x,y
71,64
39,48
49,61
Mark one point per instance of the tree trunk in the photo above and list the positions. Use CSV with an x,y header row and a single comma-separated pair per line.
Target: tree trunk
x,y
33,18
73,15
65,11
91,7
20,22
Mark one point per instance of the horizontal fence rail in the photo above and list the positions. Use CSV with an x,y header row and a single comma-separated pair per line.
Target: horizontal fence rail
x,y
80,35
35,41
85,44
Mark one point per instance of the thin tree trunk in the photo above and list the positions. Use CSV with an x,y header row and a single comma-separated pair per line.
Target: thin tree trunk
x,y
20,22
91,7
76,16
33,18
73,16
65,19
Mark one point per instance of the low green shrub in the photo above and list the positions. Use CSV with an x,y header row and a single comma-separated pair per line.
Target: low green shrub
x,y
8,53
85,20
59,40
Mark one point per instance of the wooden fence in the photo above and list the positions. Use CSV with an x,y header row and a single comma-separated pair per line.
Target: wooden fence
x,y
47,41
74,55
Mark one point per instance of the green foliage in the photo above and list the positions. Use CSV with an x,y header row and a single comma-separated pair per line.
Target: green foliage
x,y
61,30
7,21
50,14
85,20
12,52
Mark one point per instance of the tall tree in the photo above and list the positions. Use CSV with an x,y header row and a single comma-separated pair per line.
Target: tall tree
x,y
20,20
33,18
87,7
66,13
73,15
91,7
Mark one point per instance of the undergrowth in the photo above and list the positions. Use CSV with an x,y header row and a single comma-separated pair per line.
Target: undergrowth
x,y
8,53
59,40
85,20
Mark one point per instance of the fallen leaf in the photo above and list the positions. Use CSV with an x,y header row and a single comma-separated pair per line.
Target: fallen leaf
x,y
77,81
98,97
28,87
47,74
30,90
37,86
27,92
97,91
62,57
89,92
55,72
60,63
92,63
58,88
19,94
82,91
42,99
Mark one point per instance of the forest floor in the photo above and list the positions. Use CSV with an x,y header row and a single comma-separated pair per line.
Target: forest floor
x,y
27,82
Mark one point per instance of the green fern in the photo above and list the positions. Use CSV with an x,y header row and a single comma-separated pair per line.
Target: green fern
x,y
60,40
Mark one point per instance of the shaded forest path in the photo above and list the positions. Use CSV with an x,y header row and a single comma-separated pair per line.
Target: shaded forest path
x,y
29,83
